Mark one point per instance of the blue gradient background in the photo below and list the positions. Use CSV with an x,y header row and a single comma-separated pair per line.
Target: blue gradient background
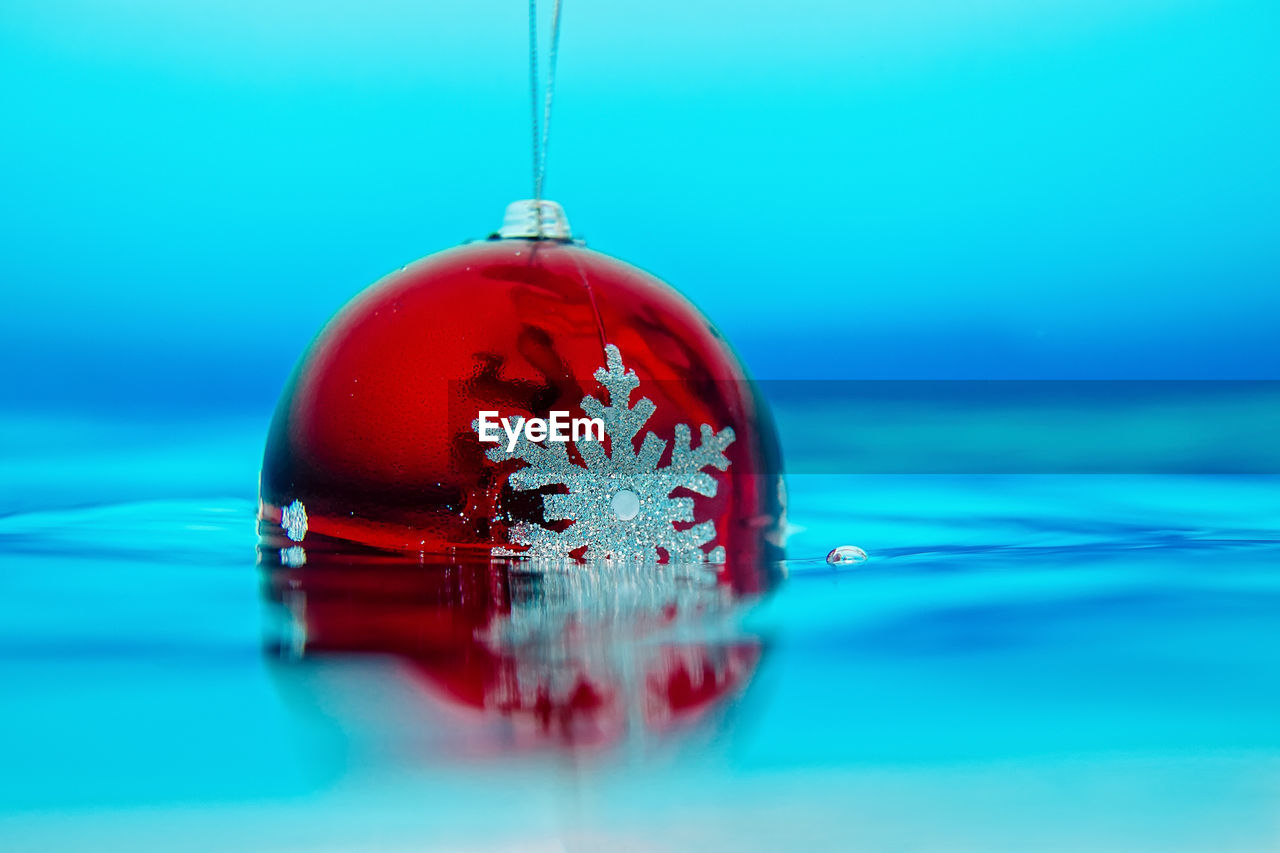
x,y
872,190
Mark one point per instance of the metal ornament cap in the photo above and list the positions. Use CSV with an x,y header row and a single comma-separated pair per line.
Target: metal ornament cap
x,y
534,219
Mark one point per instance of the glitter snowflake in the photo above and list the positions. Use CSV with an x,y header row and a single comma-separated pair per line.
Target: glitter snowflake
x,y
620,502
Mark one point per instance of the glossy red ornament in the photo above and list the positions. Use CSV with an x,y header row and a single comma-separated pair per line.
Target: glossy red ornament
x,y
373,442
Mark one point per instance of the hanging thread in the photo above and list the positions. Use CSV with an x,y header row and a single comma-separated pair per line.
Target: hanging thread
x,y
541,128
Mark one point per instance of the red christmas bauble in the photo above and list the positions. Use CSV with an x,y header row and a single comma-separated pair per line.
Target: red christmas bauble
x,y
376,440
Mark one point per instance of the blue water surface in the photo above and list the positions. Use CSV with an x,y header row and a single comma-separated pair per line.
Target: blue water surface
x,y
1024,662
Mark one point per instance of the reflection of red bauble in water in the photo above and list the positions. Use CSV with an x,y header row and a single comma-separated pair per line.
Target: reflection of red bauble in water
x,y
374,439
578,655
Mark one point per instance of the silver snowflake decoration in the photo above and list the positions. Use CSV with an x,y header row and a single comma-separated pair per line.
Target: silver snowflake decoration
x,y
620,502
293,519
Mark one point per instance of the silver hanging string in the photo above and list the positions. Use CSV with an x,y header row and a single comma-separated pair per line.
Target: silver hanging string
x,y
551,90
533,97
541,134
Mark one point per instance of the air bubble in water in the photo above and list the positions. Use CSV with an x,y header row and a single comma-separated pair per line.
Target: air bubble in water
x,y
846,555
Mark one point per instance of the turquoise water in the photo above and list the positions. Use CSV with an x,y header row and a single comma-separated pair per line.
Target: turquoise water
x,y
1024,662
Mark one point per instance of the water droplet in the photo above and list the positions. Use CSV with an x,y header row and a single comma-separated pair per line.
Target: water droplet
x,y
626,505
846,555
